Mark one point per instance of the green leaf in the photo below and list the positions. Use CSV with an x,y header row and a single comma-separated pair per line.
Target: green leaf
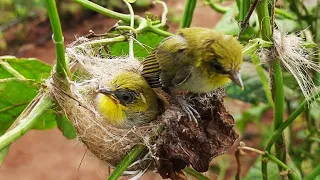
x,y
30,68
46,120
15,95
3,154
66,127
149,39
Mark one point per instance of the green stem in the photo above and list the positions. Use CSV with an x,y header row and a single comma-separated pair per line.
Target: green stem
x,y
264,79
244,7
127,161
195,173
277,82
61,68
291,173
104,11
254,45
289,120
278,96
217,7
23,124
6,66
188,13
285,14
315,173
131,53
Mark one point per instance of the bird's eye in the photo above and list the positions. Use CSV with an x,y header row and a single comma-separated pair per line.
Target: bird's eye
x,y
217,67
125,97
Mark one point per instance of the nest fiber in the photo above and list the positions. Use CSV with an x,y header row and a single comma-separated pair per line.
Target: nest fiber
x,y
174,141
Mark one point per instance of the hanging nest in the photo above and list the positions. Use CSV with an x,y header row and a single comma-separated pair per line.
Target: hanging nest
x,y
174,141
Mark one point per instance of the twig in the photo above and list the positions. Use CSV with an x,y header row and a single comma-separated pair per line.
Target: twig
x,y
245,22
242,147
237,155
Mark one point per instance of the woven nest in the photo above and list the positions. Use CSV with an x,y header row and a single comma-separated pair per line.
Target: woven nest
x,y
173,141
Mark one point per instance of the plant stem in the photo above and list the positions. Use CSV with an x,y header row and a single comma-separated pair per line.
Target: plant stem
x,y
61,67
188,13
195,173
104,11
285,14
289,120
6,66
27,119
278,96
127,161
315,173
277,82
217,7
263,78
131,53
243,9
291,173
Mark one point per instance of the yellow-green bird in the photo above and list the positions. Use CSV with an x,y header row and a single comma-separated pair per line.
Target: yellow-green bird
x,y
196,59
128,101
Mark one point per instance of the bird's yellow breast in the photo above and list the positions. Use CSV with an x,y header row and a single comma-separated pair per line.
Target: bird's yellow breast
x,y
112,111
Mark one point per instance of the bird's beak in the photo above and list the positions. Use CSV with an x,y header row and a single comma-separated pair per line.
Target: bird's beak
x,y
108,92
105,91
236,78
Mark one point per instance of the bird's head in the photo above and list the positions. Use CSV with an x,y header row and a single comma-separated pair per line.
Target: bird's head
x,y
128,101
223,59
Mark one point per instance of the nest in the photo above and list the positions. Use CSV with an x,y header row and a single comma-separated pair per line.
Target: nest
x,y
173,141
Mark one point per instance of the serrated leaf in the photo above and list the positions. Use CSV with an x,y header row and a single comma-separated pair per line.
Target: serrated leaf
x,y
66,127
46,120
148,39
15,95
30,68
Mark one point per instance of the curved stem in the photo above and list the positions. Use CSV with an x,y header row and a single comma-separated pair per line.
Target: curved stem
x,y
217,7
289,120
104,11
61,68
127,161
131,53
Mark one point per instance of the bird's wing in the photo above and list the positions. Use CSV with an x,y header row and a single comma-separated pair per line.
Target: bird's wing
x,y
181,76
166,65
